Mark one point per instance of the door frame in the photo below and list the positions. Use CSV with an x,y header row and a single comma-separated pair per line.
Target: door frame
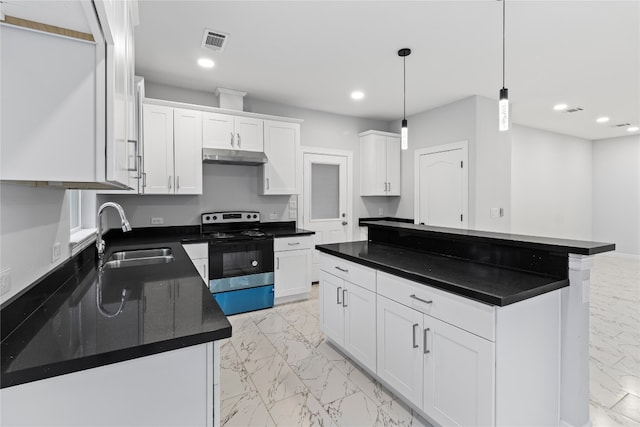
x,y
458,145
349,176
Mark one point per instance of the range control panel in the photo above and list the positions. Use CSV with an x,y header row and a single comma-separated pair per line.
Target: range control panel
x,y
230,217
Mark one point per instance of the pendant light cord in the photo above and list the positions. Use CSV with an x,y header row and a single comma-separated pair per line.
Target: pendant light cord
x,y
404,89
504,2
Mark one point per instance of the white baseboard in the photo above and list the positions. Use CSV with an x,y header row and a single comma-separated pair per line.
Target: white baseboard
x,y
616,254
566,424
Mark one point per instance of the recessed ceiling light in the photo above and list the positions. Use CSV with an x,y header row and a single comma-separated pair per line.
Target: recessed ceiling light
x,y
602,119
357,95
205,63
632,128
560,107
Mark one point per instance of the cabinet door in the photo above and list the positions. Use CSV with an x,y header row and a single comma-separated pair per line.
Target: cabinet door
x,y
458,375
393,166
187,140
292,273
400,362
158,149
331,310
281,141
373,165
359,324
218,131
249,134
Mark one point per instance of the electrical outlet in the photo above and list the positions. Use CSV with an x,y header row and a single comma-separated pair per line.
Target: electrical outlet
x,y
56,251
157,221
273,215
5,281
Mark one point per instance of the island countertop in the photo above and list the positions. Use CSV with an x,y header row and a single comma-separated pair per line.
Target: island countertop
x,y
484,283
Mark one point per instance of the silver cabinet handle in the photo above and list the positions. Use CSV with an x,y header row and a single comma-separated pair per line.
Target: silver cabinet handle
x,y
204,268
344,297
424,338
344,270
389,189
177,182
144,179
267,183
338,295
420,299
169,182
139,160
135,144
239,140
231,138
385,187
413,333
278,263
293,244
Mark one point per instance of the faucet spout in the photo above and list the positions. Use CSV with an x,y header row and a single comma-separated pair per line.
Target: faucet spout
x,y
123,219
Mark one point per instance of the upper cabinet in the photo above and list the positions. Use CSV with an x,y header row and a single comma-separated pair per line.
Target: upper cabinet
x,y
281,144
56,125
229,132
172,150
379,164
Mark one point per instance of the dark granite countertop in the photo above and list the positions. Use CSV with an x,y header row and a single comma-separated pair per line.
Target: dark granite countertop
x,y
567,246
485,283
78,325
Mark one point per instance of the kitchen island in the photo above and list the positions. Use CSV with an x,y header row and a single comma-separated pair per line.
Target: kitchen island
x,y
470,327
127,346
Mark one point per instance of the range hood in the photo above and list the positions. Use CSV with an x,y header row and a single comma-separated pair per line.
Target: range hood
x,y
233,157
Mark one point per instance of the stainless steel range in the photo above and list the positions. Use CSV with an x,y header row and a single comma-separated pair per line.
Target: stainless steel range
x,y
240,261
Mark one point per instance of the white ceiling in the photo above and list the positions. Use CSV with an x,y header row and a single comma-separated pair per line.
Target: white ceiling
x,y
312,54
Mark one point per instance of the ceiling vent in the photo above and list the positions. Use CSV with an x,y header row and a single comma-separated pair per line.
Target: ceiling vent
x,y
216,40
573,109
621,125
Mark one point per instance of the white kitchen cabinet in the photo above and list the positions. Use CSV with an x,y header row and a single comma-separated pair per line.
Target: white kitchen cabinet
x,y
379,164
199,255
348,316
292,269
281,144
229,132
174,388
459,375
400,357
54,123
172,150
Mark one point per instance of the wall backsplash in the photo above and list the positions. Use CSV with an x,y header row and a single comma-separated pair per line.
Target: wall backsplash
x,y
225,187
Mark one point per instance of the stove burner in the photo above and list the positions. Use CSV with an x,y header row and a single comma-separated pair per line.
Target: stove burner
x,y
221,235
253,233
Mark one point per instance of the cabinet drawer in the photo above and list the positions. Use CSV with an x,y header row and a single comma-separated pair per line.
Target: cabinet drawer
x,y
292,243
349,271
196,250
464,313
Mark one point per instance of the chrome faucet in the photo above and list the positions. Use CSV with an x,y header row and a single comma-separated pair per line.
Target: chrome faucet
x,y
125,224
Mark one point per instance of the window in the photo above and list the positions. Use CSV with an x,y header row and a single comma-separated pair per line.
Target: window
x,y
75,211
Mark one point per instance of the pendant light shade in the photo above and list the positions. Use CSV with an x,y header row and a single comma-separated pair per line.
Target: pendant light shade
x,y
503,103
404,133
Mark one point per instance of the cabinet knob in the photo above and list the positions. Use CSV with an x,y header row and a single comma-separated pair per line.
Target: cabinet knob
x,y
231,138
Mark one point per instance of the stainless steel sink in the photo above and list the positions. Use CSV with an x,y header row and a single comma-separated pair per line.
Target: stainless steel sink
x,y
139,257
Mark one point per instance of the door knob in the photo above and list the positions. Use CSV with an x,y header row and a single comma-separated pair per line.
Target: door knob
x,y
344,223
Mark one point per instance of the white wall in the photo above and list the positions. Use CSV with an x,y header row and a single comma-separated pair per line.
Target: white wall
x,y
31,221
236,187
616,192
551,187
449,123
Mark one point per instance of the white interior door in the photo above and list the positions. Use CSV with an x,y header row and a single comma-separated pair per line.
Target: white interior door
x,y
442,186
325,196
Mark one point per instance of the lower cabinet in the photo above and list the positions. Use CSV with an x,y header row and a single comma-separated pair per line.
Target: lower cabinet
x,y
457,361
199,255
292,268
347,313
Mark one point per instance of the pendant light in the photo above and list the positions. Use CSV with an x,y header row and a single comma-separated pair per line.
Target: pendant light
x,y
404,137
503,103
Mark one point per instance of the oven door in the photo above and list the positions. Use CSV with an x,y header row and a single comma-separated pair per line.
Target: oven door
x,y
240,265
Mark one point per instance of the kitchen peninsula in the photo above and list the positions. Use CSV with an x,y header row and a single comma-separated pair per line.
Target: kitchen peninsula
x,y
470,327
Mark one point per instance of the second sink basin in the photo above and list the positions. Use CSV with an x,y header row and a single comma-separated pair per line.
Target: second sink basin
x,y
139,257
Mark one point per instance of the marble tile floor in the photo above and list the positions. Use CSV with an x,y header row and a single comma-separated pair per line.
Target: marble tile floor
x,y
276,369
